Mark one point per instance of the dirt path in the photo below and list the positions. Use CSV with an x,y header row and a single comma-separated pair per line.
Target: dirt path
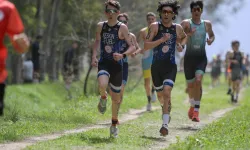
x,y
179,128
131,115
183,129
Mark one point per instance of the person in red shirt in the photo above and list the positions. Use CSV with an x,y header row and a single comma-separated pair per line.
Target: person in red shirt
x,y
10,24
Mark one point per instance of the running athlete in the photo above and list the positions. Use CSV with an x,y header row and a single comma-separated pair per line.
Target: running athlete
x,y
111,34
228,72
10,24
164,37
195,57
246,65
124,19
147,61
236,61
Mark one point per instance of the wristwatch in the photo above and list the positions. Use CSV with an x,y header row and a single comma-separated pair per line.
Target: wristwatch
x,y
124,55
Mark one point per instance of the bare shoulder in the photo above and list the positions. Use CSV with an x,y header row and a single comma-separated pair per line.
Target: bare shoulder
x,y
153,26
123,27
178,27
132,35
185,22
100,24
208,22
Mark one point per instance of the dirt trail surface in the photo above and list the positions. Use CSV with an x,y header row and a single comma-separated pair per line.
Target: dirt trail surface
x,y
183,128
131,115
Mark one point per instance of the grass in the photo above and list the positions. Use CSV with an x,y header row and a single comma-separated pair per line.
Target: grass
x,y
36,109
143,132
230,132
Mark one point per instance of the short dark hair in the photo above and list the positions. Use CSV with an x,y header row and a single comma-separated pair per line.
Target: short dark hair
x,y
235,42
174,4
123,15
113,3
196,3
150,14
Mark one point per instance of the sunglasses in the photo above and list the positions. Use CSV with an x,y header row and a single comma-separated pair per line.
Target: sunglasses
x,y
123,21
167,11
198,9
112,11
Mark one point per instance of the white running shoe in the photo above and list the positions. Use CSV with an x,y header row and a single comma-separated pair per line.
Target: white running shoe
x,y
149,107
114,131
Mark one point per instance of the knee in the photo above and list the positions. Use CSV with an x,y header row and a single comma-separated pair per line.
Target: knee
x,y
167,92
190,85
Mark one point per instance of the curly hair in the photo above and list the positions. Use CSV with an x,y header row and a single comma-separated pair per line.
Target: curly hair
x,y
113,3
174,4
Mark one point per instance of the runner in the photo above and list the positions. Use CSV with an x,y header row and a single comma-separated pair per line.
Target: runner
x,y
164,38
246,65
229,72
124,19
216,71
236,61
195,57
147,61
10,24
111,34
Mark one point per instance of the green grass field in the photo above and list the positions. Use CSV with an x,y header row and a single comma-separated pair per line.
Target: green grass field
x,y
38,109
230,132
143,132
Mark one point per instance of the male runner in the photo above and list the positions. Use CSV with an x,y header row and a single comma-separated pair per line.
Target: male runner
x,y
195,57
164,38
147,61
10,24
246,65
236,61
124,19
228,72
111,34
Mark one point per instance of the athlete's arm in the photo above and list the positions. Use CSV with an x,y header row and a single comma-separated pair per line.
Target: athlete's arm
x,y
149,43
186,27
210,32
134,41
181,35
15,31
97,43
125,33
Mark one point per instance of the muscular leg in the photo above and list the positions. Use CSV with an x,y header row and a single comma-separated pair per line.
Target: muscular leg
x,y
103,81
116,101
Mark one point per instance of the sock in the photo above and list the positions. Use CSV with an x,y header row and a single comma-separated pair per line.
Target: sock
x,y
165,118
197,106
192,102
114,122
149,99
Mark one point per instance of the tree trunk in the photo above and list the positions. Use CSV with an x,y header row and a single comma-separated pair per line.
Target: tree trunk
x,y
16,66
48,38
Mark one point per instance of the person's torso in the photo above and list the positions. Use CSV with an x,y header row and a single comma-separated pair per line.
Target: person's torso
x,y
110,42
5,8
237,56
147,54
197,42
165,51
